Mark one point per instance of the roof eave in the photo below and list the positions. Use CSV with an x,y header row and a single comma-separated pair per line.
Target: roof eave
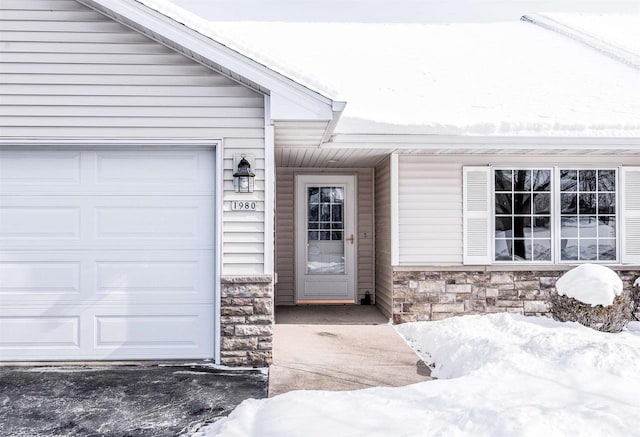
x,y
428,142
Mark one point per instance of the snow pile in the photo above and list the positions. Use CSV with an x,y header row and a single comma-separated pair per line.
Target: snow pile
x,y
637,283
501,375
592,284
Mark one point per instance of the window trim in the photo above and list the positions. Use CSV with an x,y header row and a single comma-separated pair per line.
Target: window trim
x,y
555,213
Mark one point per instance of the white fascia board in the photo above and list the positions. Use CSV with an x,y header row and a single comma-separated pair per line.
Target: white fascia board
x,y
290,100
286,106
338,108
431,142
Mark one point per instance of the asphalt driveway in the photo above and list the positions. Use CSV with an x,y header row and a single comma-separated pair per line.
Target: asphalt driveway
x,y
120,400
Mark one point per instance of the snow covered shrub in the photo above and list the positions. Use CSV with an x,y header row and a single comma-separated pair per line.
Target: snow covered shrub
x,y
612,318
592,295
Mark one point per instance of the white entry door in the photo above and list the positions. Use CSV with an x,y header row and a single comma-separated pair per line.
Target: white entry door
x,y
325,239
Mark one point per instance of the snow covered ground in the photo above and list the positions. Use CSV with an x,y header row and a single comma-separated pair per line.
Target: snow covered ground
x,y
499,375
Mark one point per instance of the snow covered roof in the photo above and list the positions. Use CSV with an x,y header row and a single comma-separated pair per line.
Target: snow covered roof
x,y
507,78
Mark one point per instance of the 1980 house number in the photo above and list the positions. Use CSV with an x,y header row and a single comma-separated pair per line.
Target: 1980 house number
x,y
238,205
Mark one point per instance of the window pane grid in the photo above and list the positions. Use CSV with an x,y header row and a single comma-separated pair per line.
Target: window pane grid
x,y
588,215
522,215
325,213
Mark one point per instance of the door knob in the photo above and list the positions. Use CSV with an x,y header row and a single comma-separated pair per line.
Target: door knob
x,y
350,239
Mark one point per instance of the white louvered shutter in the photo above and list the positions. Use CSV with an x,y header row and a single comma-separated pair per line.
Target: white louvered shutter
x,y
477,215
630,215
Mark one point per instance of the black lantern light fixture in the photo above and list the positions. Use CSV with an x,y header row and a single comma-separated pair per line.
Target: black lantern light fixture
x,y
243,178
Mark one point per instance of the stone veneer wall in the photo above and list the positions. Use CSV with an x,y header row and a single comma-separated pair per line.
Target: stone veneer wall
x,y
429,295
246,322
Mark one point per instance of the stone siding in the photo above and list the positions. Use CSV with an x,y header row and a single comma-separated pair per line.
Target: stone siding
x,y
428,295
246,321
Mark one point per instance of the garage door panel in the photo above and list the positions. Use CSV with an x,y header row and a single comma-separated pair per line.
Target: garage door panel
x,y
21,221
130,169
20,170
95,173
185,280
108,333
106,222
46,279
147,219
39,332
133,331
33,279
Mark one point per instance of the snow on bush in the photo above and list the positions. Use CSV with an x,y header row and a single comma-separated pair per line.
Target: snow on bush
x,y
592,295
592,284
499,375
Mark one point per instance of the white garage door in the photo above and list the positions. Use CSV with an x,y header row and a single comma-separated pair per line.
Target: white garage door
x,y
106,254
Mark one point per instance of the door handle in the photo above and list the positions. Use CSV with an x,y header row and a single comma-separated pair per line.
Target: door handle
x,y
350,239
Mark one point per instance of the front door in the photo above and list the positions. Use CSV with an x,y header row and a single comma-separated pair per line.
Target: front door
x,y
325,239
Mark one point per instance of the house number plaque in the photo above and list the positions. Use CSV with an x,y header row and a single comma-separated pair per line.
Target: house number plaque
x,y
239,205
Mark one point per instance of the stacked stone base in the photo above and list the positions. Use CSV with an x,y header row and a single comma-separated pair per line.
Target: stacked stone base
x,y
247,317
429,295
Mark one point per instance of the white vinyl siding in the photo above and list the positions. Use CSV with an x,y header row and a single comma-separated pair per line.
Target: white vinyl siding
x,y
285,226
630,215
67,71
431,200
384,270
430,204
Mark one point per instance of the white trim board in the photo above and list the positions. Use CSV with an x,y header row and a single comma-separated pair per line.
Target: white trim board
x,y
269,190
395,212
217,297
430,142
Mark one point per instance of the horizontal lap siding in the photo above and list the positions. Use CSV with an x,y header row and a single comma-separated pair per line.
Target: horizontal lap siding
x,y
285,246
66,71
430,204
285,230
430,200
383,271
366,234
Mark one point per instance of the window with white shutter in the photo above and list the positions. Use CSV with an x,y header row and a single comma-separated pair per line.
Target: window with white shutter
x,y
557,214
630,215
477,215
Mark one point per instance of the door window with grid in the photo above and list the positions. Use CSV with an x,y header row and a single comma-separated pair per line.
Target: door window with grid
x,y
325,230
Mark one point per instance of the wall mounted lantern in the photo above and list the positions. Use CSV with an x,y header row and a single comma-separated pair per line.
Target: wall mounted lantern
x,y
243,178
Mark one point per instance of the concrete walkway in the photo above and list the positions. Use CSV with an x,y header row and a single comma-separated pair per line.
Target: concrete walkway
x,y
339,348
